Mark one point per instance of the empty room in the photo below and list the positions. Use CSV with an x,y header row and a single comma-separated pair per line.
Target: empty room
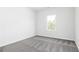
x,y
39,29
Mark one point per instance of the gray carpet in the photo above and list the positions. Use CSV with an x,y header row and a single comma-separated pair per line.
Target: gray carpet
x,y
41,44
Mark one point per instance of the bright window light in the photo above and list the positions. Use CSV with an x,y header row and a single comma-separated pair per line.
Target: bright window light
x,y
51,22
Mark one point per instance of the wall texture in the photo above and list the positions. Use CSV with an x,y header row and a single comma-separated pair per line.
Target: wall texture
x,y
16,24
64,23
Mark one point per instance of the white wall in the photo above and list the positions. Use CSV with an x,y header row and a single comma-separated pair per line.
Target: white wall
x,y
16,24
77,26
64,23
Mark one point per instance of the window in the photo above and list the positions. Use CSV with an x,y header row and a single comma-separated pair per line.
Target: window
x,y
51,22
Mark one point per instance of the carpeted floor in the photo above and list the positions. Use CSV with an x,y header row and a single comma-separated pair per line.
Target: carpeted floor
x,y
41,44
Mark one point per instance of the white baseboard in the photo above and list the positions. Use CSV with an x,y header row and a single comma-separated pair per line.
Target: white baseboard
x,y
16,40
55,37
